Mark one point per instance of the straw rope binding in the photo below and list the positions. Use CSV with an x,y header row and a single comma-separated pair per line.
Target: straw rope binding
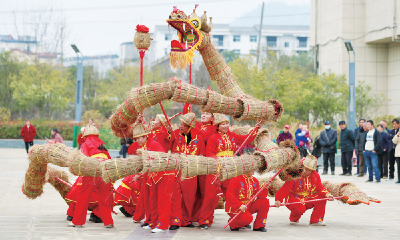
x,y
218,103
188,93
235,166
159,161
352,194
192,165
118,168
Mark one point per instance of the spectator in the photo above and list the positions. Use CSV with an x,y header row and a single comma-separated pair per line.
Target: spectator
x,y
298,137
28,133
384,124
328,139
305,133
55,136
393,132
125,143
284,135
373,142
383,153
361,124
360,147
396,141
317,148
347,140
80,139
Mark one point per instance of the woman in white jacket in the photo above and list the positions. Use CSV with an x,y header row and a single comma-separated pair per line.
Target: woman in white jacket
x,y
396,140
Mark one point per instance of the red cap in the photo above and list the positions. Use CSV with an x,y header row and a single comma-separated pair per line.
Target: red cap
x,y
287,126
176,44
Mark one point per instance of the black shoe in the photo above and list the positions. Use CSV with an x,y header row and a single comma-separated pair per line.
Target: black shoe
x,y
261,229
391,178
235,229
98,220
369,180
69,218
173,227
342,174
348,174
398,181
360,175
93,217
378,180
144,224
122,209
333,173
324,173
203,226
246,227
189,226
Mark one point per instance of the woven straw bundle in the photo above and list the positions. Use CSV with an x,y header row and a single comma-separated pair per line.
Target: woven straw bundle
x,y
118,168
234,166
80,165
192,165
188,93
247,129
35,176
292,172
142,40
263,141
159,161
273,187
90,129
352,194
120,121
52,175
218,103
256,110
149,95
275,159
55,153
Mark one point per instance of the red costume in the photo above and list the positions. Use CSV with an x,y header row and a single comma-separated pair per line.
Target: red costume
x,y
130,189
72,196
163,137
80,140
28,133
241,189
191,144
90,184
206,130
133,148
304,189
218,145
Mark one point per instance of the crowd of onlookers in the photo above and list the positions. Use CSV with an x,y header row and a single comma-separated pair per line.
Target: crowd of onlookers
x,y
374,147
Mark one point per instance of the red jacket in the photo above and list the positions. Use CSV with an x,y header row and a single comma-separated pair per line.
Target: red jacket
x,y
302,189
28,134
241,189
206,130
196,145
80,139
90,146
163,137
226,144
133,148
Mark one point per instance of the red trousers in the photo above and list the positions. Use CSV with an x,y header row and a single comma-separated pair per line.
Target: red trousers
x,y
296,210
89,184
208,195
189,189
160,201
260,206
176,203
143,204
72,205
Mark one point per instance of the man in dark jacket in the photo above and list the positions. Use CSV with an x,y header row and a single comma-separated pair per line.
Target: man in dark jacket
x,y
328,139
383,154
392,133
360,147
373,143
361,124
125,143
28,133
347,140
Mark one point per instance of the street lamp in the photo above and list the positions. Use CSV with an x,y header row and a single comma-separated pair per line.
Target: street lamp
x,y
79,78
352,86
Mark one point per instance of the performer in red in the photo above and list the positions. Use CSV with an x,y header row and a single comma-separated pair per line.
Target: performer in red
x,y
160,183
221,144
159,132
205,126
93,147
306,188
72,196
188,142
240,191
131,189
80,140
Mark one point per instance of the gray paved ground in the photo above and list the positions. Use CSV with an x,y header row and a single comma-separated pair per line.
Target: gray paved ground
x,y
44,218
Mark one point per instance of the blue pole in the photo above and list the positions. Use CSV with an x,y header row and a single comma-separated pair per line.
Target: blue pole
x,y
352,95
79,79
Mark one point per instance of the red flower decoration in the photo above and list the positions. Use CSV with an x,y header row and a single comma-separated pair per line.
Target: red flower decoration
x,y
142,28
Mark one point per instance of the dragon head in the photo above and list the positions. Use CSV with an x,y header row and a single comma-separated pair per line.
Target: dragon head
x,y
189,30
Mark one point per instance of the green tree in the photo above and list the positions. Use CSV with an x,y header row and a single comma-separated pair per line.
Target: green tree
x,y
43,89
368,102
8,68
229,56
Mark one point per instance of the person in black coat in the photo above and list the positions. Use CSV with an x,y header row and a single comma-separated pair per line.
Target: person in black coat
x,y
383,154
347,140
361,125
125,143
392,133
328,139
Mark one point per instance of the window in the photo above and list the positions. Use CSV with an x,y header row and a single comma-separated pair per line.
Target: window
x,y
236,51
252,52
218,40
302,42
271,41
286,44
253,38
236,38
168,37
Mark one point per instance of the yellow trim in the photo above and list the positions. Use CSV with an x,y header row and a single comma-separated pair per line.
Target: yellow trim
x,y
125,186
224,154
116,167
99,155
230,90
53,154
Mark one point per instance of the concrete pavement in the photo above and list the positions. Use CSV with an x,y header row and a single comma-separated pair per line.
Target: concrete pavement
x,y
44,217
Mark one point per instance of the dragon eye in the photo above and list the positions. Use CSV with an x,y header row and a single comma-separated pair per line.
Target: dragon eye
x,y
170,17
195,23
179,16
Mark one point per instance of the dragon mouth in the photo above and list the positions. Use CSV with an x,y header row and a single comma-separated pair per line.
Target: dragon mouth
x,y
188,35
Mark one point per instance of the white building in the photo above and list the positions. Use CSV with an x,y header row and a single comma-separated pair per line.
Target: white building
x,y
289,39
371,26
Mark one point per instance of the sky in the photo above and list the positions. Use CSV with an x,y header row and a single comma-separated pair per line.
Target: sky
x,y
99,27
